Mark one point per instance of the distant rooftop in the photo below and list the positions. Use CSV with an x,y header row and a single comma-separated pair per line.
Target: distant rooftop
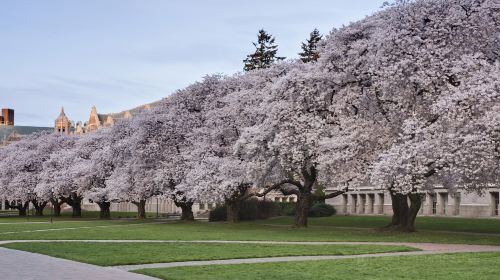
x,y
6,131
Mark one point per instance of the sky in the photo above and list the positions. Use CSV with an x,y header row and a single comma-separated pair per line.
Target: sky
x,y
119,54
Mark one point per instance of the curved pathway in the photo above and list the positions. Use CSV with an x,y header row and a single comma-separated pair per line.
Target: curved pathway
x,y
43,266
16,265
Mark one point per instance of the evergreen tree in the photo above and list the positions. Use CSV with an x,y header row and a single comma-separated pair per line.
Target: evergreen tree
x,y
309,50
265,53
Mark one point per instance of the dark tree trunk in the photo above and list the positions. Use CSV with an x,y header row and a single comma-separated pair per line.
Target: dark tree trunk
x,y
302,209
20,206
39,206
233,211
400,210
105,212
304,197
76,203
77,210
416,203
404,215
141,209
23,208
56,205
187,211
23,211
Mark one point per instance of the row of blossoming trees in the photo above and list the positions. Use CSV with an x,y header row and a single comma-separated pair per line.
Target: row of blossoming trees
x,y
405,100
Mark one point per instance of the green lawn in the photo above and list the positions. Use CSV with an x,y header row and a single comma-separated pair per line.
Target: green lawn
x,y
478,266
66,216
423,223
108,254
12,227
322,229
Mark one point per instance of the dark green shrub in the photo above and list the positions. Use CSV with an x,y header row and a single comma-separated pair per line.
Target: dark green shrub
x,y
219,213
284,208
248,210
254,209
322,210
266,209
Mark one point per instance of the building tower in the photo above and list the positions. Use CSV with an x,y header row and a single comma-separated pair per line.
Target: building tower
x,y
7,117
94,122
62,123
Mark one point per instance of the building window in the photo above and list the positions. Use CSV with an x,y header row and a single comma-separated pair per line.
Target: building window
x,y
434,204
277,199
210,206
202,206
444,200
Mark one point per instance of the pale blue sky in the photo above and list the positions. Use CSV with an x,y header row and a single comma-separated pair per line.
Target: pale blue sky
x,y
118,54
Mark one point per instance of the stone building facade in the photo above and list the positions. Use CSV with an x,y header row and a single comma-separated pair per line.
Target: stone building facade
x,y
371,201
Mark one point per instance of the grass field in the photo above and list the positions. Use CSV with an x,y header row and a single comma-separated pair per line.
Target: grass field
x,y
109,254
338,228
423,223
478,266
66,216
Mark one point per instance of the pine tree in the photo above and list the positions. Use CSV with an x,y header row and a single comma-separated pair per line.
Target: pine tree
x,y
265,53
309,50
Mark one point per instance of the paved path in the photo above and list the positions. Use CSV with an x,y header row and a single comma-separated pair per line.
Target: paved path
x,y
426,249
19,265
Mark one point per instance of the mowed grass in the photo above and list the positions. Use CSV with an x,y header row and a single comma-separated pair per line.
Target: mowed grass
x,y
17,227
478,266
338,228
66,216
423,223
109,254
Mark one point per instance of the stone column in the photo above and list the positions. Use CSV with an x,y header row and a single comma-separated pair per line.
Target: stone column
x,y
379,203
369,204
427,204
361,204
345,202
452,205
352,203
440,204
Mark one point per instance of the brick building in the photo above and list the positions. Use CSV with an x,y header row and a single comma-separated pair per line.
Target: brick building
x,y
7,117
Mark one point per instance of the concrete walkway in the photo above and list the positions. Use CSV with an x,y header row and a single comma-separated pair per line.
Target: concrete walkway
x,y
17,265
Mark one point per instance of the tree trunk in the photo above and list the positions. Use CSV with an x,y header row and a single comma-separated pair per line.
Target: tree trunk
x,y
416,203
56,205
105,212
23,208
404,215
20,206
187,211
76,203
302,209
233,211
141,209
400,210
77,209
39,206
